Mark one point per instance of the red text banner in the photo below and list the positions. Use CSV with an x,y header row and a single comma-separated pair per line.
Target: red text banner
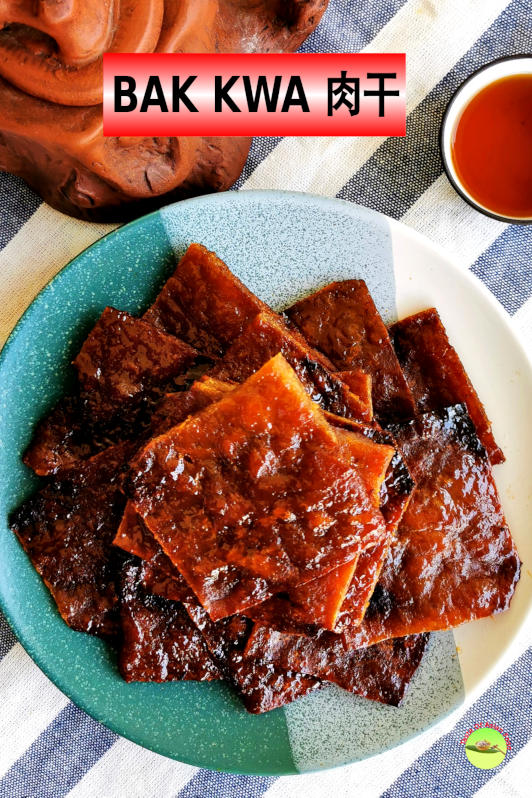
x,y
318,94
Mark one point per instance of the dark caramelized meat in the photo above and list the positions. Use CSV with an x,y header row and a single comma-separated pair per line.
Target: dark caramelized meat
x,y
123,358
173,408
265,337
261,685
204,303
435,373
162,578
264,686
159,641
67,530
342,321
453,559
253,495
381,672
60,440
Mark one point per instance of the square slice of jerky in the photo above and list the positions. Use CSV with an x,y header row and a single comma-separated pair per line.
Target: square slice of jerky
x,y
67,529
123,358
319,602
381,672
262,686
60,440
435,373
253,495
159,641
342,321
265,337
453,559
204,303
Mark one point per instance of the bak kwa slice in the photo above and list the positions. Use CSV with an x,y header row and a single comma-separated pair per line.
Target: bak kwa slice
x,y
159,642
453,559
435,373
204,303
60,440
67,529
342,321
318,603
381,672
123,359
266,336
261,685
253,495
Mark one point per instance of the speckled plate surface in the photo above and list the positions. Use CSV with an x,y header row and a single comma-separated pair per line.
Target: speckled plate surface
x,y
283,246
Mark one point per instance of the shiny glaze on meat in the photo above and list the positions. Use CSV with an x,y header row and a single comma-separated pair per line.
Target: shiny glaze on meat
x,y
266,336
159,642
342,321
253,495
122,358
435,373
67,529
204,303
381,672
453,559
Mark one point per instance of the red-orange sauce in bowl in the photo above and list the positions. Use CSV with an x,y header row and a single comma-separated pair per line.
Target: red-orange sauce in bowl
x,y
492,147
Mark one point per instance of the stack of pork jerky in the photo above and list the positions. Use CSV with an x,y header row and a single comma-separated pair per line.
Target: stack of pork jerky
x,y
280,501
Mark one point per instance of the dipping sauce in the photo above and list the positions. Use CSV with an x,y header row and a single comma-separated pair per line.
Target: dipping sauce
x,y
492,147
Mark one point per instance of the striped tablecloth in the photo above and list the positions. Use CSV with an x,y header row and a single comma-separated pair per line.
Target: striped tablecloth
x,y
48,747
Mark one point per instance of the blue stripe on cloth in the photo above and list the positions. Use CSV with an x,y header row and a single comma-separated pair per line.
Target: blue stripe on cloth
x,y
403,168
349,25
506,267
58,758
7,638
443,770
18,203
343,28
209,784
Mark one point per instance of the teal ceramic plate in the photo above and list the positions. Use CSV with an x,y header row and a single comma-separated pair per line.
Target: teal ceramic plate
x,y
283,246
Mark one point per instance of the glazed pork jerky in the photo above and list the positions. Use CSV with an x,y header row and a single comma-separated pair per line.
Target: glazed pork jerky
x,y
453,559
159,642
204,303
264,337
252,495
381,672
123,358
342,321
67,529
435,373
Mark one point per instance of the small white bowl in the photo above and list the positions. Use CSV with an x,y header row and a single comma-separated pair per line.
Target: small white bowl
x,y
502,68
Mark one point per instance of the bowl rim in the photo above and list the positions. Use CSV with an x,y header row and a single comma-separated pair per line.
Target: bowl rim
x,y
449,171
491,672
